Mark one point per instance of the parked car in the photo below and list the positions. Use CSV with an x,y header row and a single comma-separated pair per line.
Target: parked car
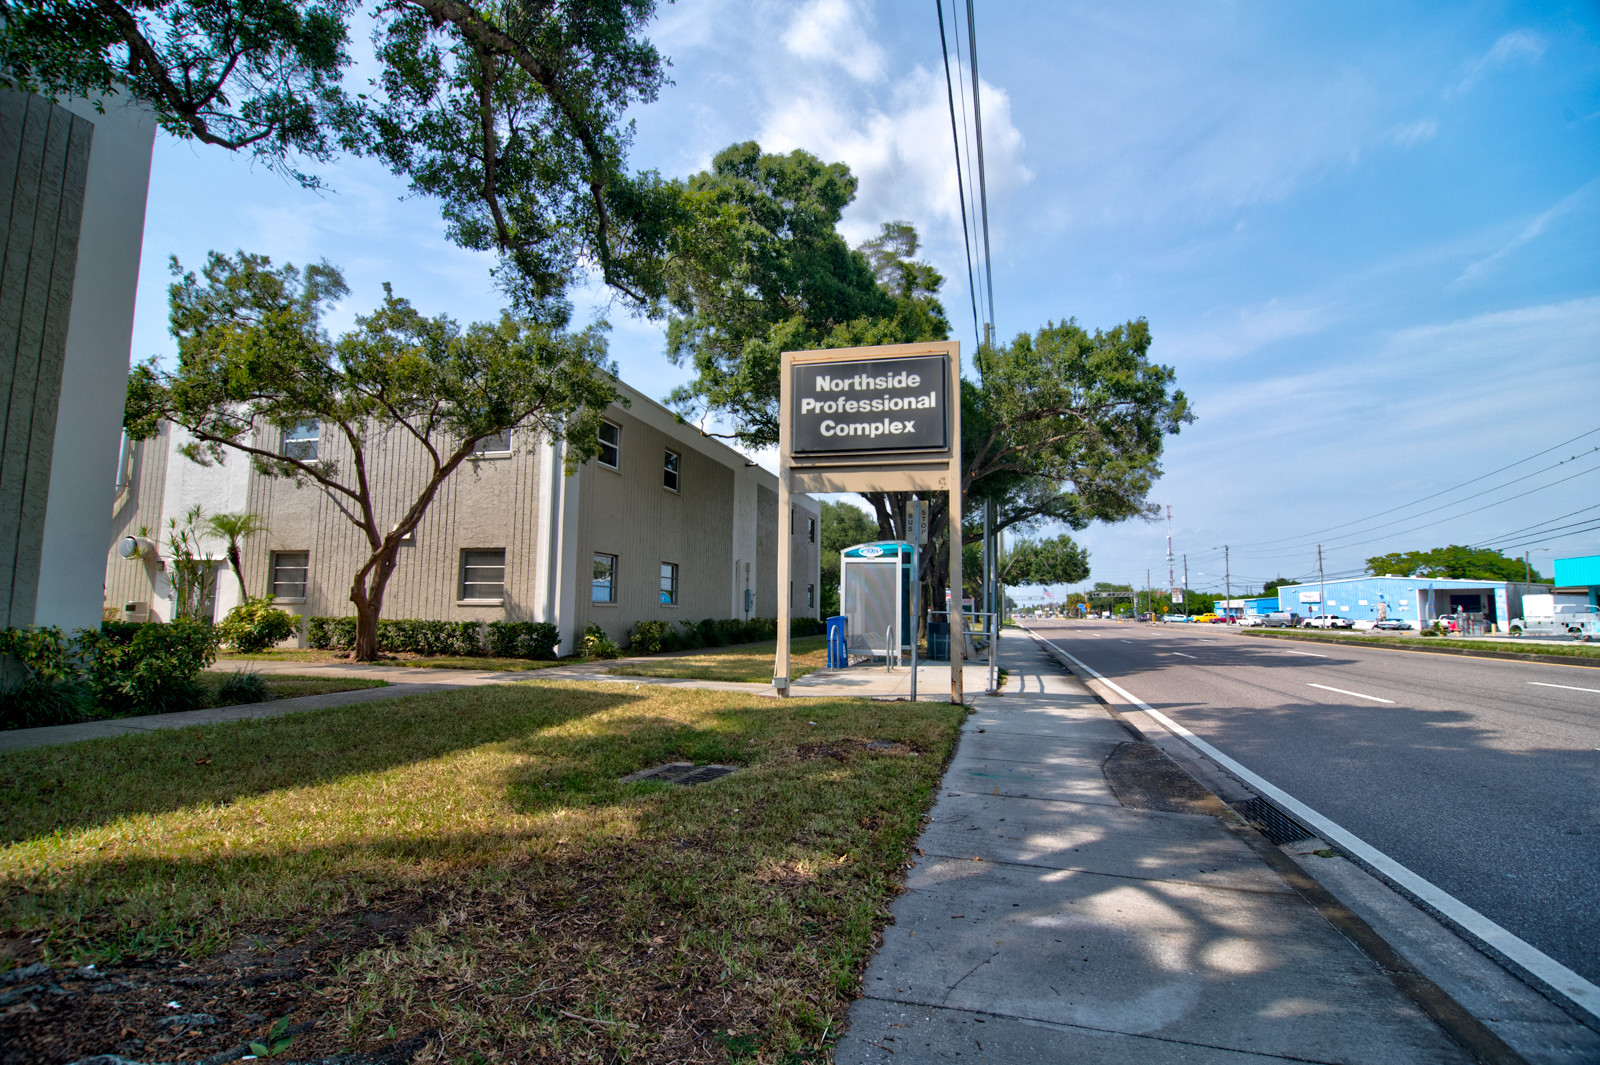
x,y
1327,621
1174,617
1392,624
1208,618
1252,621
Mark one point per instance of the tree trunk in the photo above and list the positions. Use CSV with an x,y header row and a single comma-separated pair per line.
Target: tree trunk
x,y
238,570
366,592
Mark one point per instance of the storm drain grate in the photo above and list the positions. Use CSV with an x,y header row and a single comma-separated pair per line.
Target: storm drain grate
x,y
1277,826
685,773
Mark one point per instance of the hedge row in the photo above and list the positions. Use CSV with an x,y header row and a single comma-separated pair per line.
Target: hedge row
x,y
503,639
658,637
538,639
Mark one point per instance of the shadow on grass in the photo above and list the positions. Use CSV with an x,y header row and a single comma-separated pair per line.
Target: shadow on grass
x,y
74,786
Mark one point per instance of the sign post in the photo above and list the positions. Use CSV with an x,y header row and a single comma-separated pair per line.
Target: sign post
x,y
872,419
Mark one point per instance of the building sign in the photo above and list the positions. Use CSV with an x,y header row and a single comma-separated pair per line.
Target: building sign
x,y
1311,597
871,405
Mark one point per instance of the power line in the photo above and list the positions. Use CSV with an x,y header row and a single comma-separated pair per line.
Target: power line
x,y
983,185
961,192
1539,527
1435,495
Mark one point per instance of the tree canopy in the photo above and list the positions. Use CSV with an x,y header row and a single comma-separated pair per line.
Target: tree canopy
x,y
1456,562
510,114
1055,561
254,362
1060,425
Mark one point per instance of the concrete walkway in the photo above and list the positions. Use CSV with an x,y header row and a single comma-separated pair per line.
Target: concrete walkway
x,y
1047,920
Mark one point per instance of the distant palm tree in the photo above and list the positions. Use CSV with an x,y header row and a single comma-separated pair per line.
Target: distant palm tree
x,y
233,528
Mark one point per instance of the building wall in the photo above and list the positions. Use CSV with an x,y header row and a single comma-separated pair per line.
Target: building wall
x,y
493,503
44,170
137,506
1413,599
628,513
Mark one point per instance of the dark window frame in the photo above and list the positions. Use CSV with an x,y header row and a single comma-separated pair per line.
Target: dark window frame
x,y
669,587
610,583
307,445
277,566
464,580
615,445
672,470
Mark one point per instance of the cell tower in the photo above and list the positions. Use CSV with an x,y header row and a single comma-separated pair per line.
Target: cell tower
x,y
1172,579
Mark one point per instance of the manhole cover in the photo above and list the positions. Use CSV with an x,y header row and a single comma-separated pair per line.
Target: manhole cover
x,y
1277,826
685,773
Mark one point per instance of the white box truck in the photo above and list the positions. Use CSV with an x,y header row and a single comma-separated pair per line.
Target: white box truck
x,y
1557,615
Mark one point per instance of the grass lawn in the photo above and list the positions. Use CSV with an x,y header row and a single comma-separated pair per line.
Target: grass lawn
x,y
288,686
751,662
463,870
1430,643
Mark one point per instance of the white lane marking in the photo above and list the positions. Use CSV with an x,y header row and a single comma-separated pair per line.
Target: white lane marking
x,y
1127,641
1358,695
1307,654
1583,993
1181,653
1568,687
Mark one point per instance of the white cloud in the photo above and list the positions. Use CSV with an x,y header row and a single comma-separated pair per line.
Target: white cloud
x,y
1414,133
1246,331
899,147
1530,232
1513,47
839,32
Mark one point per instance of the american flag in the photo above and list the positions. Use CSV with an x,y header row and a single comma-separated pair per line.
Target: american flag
x,y
1047,594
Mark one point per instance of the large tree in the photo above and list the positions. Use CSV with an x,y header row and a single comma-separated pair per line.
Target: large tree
x,y
253,362
510,114
1061,425
1456,562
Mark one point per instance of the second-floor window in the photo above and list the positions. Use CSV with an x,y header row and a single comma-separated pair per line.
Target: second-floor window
x,y
300,442
669,470
610,444
289,574
497,444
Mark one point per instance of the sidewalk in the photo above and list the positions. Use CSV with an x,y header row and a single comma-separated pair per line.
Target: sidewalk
x,y
1050,921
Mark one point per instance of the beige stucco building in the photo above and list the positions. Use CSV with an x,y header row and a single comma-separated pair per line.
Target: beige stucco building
x,y
664,524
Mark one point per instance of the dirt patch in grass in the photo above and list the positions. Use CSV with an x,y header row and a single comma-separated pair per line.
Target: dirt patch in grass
x,y
463,870
749,663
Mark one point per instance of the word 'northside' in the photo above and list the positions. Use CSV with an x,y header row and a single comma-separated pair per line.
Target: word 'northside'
x,y
862,382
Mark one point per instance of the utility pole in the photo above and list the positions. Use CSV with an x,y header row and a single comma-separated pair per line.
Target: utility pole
x,y
1322,603
1227,583
1148,599
1172,582
1527,570
1186,583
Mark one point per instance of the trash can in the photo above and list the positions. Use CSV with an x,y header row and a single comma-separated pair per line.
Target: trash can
x,y
939,641
838,643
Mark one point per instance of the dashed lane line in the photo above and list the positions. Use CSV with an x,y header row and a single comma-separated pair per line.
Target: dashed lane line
x,y
1307,654
1182,654
1358,695
1582,993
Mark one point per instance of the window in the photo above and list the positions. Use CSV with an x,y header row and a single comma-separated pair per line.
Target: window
x,y
497,444
301,441
811,530
483,575
811,595
604,589
289,574
669,470
669,584
610,444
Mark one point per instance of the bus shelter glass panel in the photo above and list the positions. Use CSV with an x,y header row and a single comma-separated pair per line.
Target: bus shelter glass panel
x,y
875,593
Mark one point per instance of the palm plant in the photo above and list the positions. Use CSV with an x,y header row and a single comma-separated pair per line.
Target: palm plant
x,y
233,528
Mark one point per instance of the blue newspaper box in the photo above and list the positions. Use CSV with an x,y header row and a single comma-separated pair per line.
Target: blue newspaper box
x,y
838,643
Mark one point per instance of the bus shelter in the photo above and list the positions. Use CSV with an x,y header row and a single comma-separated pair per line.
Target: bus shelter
x,y
875,593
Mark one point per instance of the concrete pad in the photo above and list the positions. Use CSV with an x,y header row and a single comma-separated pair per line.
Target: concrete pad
x,y
1063,776
1079,745
1248,971
1095,838
882,1032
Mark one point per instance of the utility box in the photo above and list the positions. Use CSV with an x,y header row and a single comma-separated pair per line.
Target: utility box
x,y
875,590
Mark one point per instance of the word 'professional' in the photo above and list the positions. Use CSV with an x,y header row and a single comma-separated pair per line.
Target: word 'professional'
x,y
880,405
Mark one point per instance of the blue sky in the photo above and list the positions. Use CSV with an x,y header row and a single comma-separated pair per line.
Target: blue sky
x,y
1367,236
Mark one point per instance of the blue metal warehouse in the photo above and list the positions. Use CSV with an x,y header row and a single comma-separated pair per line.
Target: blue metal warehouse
x,y
1415,599
1581,575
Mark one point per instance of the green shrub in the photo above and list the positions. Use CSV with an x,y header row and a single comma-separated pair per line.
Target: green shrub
x,y
523,639
596,644
710,633
331,634
242,686
40,679
156,673
255,625
650,637
690,639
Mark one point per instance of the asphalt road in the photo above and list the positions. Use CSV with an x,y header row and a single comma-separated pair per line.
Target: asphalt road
x,y
1482,776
